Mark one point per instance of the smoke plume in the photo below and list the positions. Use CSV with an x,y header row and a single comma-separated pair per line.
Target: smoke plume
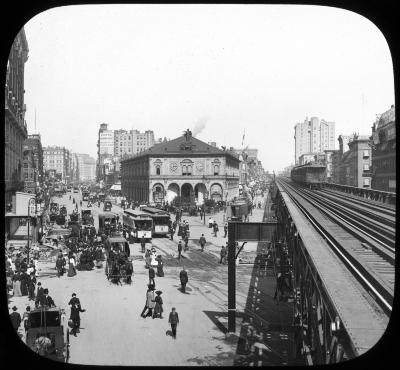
x,y
199,125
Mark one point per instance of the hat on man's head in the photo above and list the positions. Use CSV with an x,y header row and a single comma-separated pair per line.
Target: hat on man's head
x,y
15,308
45,291
74,294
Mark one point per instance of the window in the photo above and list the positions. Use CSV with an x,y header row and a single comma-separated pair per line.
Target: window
x,y
366,153
216,170
366,167
366,182
158,170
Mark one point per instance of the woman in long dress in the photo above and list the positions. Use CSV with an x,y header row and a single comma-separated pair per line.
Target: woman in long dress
x,y
71,266
24,283
158,309
17,285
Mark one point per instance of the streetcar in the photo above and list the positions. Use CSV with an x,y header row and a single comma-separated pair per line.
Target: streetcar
x,y
48,333
139,223
161,220
107,222
118,255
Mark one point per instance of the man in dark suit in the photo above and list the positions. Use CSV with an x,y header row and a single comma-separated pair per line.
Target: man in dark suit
x,y
15,318
75,317
152,275
183,276
47,300
39,295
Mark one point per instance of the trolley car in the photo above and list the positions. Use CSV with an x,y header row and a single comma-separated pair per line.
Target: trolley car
x,y
139,223
161,220
118,252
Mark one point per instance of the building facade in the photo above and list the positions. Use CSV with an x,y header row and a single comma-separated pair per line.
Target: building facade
x,y
384,151
57,159
86,167
353,167
29,172
34,144
313,136
185,167
15,128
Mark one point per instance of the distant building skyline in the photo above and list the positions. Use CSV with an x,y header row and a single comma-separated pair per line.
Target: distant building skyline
x,y
313,136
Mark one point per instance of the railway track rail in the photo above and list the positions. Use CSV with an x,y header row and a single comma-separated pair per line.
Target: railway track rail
x,y
370,268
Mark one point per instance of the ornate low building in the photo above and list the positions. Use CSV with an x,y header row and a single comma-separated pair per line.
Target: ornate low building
x,y
185,167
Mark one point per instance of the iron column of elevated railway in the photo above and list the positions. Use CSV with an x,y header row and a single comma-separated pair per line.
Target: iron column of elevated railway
x,y
243,232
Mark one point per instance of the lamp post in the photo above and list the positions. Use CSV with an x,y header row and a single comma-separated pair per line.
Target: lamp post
x,y
29,221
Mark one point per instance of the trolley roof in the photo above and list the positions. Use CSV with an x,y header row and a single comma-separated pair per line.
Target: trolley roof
x,y
107,214
136,214
154,211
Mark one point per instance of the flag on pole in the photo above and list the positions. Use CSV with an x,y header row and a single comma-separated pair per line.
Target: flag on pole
x,y
244,132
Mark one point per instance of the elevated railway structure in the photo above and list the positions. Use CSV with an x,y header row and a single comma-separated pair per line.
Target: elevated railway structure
x,y
342,256
371,194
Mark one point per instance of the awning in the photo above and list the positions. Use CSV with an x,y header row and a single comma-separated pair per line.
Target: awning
x,y
116,187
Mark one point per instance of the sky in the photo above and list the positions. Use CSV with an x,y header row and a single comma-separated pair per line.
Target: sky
x,y
228,69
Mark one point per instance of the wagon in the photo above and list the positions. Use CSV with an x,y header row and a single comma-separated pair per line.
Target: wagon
x,y
48,333
113,266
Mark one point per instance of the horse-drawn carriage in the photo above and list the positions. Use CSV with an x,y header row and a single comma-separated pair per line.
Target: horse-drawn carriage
x,y
118,264
48,333
87,218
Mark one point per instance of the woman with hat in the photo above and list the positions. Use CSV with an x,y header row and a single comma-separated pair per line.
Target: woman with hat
x,y
158,309
72,263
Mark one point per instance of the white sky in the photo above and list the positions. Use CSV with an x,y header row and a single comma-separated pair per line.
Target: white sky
x,y
166,67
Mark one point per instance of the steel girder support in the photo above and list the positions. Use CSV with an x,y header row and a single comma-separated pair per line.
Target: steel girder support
x,y
319,335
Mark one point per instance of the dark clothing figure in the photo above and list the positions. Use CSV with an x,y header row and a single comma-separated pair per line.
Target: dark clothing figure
x,y
158,308
215,228
223,255
15,319
225,230
171,232
150,303
24,277
152,275
31,287
183,276
75,316
160,267
179,249
202,242
39,297
60,263
173,320
143,244
48,301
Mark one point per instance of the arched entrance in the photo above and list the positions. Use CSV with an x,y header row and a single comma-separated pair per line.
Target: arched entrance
x,y
187,194
216,192
172,192
199,193
158,193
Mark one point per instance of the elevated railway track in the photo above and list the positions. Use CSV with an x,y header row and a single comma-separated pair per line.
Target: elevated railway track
x,y
372,260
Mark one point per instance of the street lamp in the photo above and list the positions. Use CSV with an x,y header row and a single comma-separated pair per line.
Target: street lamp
x,y
29,221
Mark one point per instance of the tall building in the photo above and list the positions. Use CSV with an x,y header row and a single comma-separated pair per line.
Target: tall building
x,y
56,158
34,144
86,167
113,145
15,129
384,151
105,148
313,136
